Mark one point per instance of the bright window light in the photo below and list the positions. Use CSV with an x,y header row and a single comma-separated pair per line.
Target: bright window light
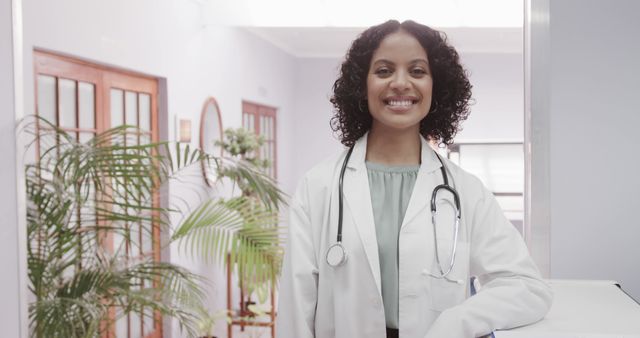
x,y
364,13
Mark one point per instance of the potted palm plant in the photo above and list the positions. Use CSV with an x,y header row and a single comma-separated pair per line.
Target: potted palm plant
x,y
258,255
82,196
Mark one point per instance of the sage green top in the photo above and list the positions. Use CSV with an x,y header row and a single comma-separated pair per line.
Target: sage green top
x,y
391,188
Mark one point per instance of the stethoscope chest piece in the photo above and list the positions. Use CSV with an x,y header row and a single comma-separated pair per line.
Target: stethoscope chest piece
x,y
336,255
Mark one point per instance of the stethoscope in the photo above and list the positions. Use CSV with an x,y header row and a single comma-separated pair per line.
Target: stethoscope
x,y
337,254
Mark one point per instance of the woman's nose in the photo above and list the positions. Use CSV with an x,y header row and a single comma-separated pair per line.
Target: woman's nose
x,y
400,81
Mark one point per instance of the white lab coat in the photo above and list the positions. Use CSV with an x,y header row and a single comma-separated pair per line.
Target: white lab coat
x,y
316,300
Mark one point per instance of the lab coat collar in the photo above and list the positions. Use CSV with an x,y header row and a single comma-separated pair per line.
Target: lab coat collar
x,y
358,197
428,160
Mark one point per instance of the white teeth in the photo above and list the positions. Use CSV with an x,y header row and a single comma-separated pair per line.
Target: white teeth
x,y
404,103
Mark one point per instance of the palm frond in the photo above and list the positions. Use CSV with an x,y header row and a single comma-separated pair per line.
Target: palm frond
x,y
260,184
66,317
239,226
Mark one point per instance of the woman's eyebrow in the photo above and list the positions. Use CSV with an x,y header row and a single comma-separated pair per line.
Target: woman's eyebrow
x,y
419,60
414,61
382,61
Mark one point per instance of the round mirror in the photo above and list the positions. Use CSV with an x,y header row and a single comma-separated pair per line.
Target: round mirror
x,y
210,132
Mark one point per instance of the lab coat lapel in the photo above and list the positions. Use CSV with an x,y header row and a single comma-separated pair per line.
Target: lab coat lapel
x,y
358,198
425,183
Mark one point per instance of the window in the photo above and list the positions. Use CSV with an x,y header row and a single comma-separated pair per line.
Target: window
x,y
500,166
262,121
85,99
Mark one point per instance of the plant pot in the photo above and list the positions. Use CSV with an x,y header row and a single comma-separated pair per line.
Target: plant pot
x,y
246,312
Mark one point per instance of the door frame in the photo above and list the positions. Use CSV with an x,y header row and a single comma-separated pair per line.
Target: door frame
x,y
537,78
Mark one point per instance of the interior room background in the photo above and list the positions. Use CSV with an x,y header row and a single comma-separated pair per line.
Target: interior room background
x,y
195,58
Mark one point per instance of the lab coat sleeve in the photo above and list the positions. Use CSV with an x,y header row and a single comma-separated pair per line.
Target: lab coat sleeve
x,y
512,294
299,281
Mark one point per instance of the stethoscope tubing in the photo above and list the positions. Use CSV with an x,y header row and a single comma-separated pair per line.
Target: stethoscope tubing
x,y
340,194
342,251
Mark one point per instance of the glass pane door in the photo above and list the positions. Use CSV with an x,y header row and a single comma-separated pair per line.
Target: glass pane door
x,y
133,108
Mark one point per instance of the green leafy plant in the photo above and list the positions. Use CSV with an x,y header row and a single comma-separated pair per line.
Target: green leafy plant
x,y
208,321
243,144
83,196
257,253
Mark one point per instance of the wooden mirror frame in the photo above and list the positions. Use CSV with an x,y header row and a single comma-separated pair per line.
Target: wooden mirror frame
x,y
203,115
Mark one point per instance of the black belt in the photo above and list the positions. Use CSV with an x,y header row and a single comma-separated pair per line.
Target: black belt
x,y
392,333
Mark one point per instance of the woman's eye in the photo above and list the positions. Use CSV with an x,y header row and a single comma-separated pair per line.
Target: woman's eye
x,y
383,71
419,71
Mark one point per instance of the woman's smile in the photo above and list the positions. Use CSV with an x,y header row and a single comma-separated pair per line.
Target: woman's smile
x,y
400,103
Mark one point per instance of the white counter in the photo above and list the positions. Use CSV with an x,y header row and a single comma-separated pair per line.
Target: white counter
x,y
584,309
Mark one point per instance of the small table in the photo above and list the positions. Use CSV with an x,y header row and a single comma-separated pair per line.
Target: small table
x,y
243,312
584,309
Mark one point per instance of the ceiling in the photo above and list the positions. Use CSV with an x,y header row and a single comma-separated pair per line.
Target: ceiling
x,y
325,28
333,42
364,13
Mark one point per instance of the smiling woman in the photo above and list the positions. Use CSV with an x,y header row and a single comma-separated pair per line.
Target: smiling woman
x,y
449,92
363,237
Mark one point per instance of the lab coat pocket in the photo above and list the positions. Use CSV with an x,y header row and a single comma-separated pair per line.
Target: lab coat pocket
x,y
448,293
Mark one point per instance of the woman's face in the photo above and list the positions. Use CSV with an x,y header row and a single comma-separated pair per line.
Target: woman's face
x,y
399,83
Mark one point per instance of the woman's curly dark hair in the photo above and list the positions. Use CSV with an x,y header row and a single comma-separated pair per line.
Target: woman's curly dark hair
x,y
450,95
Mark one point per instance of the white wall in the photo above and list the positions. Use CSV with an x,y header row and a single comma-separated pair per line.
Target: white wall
x,y
497,114
593,141
314,79
167,39
12,232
